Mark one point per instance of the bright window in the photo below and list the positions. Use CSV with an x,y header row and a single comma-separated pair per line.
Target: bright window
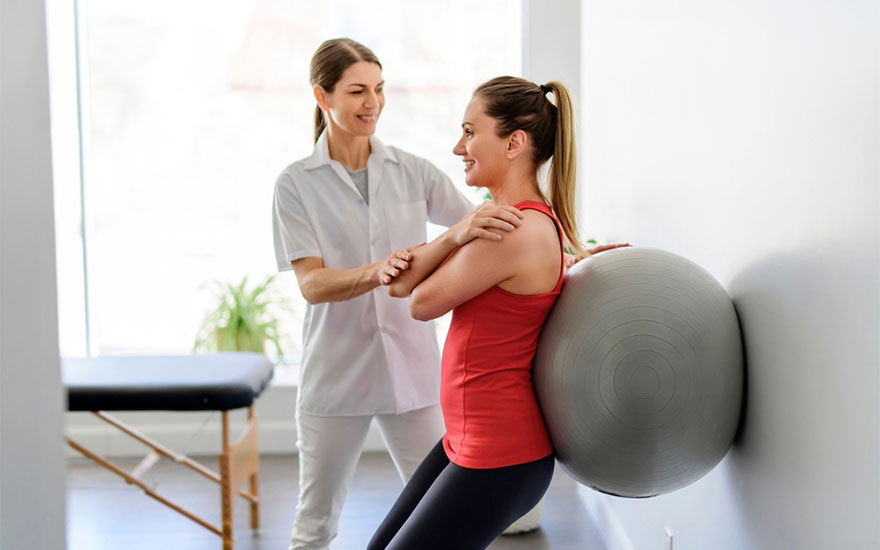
x,y
191,109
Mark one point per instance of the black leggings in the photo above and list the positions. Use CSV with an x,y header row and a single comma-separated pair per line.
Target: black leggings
x,y
445,506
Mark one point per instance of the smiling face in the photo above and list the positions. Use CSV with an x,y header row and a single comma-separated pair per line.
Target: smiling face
x,y
483,152
356,101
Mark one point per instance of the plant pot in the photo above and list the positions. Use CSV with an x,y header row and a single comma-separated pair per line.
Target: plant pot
x,y
243,341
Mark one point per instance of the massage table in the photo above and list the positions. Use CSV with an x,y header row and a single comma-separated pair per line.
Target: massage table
x,y
213,382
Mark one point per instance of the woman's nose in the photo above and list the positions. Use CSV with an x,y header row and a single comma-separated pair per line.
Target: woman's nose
x,y
371,100
459,147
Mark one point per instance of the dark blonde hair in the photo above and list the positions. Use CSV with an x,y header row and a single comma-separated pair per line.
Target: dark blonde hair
x,y
329,62
517,104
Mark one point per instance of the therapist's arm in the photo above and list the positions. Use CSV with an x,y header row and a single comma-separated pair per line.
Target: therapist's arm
x,y
486,221
319,284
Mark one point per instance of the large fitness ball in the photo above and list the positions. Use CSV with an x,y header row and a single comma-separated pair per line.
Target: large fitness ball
x,y
639,372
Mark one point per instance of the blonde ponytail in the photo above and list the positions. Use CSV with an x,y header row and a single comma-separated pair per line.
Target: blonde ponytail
x,y
563,166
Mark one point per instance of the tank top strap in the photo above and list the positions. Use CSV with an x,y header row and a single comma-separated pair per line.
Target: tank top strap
x,y
546,210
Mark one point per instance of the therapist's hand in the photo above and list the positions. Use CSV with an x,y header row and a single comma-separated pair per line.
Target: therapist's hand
x,y
394,265
477,224
571,260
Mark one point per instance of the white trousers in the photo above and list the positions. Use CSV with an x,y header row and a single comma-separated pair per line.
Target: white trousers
x,y
329,448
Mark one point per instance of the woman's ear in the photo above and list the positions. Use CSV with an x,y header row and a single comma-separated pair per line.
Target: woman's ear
x,y
321,98
516,144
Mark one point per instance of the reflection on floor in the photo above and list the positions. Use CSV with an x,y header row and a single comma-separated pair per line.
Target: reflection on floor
x,y
103,513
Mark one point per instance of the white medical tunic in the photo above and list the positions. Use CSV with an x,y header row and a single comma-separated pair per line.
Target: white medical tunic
x,y
366,355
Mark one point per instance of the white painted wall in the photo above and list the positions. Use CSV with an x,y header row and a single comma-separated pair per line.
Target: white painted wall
x,y
31,400
551,42
746,137
552,51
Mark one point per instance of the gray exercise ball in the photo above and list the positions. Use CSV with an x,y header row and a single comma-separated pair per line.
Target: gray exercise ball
x,y
639,372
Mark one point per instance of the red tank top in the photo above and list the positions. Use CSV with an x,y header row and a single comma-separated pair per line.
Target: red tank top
x,y
486,394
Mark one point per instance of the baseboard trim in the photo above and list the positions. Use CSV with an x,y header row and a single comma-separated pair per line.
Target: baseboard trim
x,y
274,438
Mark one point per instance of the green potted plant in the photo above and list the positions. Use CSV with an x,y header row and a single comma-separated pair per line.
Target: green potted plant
x,y
242,320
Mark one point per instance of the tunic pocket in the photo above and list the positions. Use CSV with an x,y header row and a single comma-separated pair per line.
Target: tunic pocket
x,y
406,223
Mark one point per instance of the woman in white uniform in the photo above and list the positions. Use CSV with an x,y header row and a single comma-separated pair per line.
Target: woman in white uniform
x,y
340,219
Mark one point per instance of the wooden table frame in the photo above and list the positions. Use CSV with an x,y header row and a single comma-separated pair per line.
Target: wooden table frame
x,y
239,463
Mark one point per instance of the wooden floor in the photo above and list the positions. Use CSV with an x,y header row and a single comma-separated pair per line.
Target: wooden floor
x,y
104,513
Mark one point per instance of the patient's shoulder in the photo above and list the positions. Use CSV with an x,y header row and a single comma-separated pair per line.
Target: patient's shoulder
x,y
537,235
538,229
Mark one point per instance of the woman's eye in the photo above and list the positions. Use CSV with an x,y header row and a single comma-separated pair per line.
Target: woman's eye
x,y
468,133
380,90
356,92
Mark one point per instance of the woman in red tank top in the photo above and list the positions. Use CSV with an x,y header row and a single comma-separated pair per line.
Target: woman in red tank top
x,y
495,461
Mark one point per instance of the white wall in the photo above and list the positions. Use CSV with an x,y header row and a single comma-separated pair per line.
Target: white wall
x,y
551,49
551,42
746,136
31,465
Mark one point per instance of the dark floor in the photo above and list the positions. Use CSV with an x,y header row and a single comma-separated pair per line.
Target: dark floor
x,y
104,513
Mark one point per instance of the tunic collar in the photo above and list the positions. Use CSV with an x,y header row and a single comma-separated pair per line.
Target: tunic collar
x,y
321,154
